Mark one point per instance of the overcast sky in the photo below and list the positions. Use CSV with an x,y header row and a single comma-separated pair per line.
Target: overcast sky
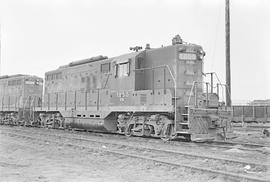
x,y
40,35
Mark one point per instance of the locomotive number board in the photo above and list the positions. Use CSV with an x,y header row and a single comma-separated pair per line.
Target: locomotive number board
x,y
187,56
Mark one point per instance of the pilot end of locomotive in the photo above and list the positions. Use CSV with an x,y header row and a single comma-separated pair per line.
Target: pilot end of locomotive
x,y
206,117
199,112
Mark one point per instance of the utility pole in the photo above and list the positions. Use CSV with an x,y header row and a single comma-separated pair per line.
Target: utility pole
x,y
0,48
228,62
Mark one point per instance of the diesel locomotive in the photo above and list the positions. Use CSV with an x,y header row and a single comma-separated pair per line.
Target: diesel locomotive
x,y
156,92
18,95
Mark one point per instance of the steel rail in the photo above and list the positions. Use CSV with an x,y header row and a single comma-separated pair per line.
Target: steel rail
x,y
251,126
228,146
240,143
219,172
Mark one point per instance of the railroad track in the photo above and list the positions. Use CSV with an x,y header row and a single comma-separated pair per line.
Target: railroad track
x,y
168,157
249,145
252,126
207,144
221,145
253,147
210,144
80,138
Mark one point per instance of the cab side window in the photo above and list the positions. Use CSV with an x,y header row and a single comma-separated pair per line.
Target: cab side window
x,y
122,69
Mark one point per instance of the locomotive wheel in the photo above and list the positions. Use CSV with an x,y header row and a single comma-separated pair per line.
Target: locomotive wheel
x,y
188,137
129,131
167,133
57,123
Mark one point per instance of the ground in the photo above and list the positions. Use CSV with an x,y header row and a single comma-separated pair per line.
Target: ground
x,y
24,160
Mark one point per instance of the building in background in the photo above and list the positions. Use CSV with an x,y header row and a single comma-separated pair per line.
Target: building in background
x,y
260,102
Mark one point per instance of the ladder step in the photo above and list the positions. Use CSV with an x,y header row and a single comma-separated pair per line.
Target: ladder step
x,y
183,132
184,114
183,123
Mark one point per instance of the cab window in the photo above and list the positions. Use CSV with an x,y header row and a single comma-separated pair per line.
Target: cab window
x,y
122,69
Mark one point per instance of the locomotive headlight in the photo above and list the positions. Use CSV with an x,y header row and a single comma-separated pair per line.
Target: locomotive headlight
x,y
201,54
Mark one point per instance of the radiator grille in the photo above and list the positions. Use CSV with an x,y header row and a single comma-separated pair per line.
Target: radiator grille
x,y
143,99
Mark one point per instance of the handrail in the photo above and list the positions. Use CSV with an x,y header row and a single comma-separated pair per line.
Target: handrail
x,y
108,75
219,83
207,97
193,89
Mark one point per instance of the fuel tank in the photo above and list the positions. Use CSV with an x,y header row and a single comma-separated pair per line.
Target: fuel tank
x,y
97,124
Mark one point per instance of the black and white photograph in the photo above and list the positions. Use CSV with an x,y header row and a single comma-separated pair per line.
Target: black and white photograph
x,y
134,90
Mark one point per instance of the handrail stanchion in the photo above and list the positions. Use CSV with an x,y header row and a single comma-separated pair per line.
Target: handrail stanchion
x,y
218,90
195,94
212,83
207,99
75,100
85,100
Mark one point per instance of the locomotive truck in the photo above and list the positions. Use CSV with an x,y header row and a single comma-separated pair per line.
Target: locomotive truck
x,y
156,92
